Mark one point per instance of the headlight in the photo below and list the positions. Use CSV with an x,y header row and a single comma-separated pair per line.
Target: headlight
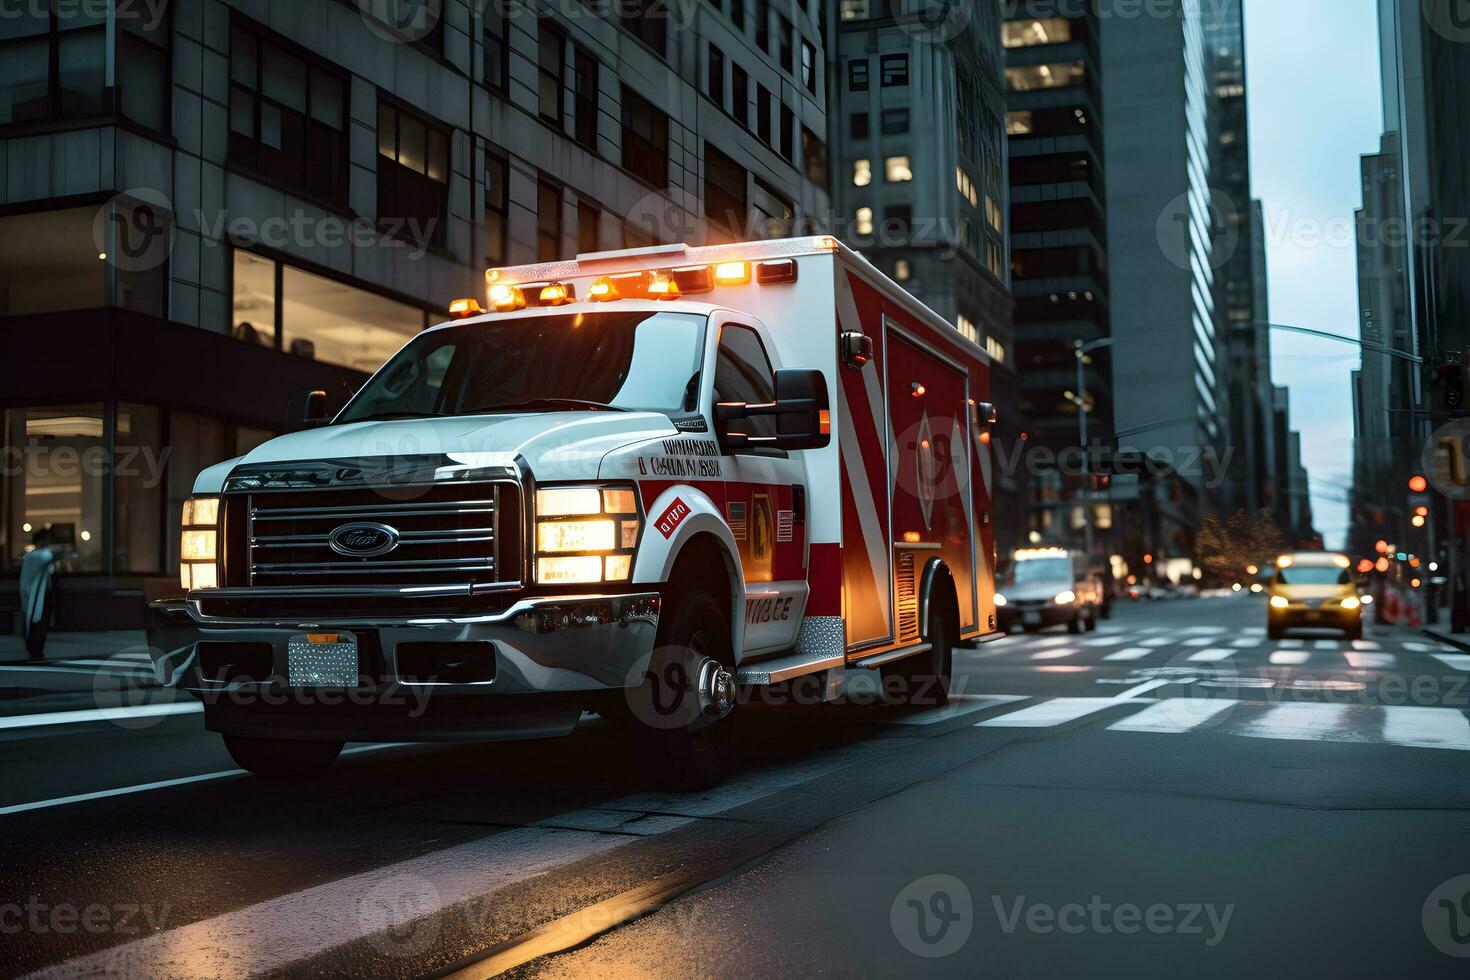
x,y
586,534
199,544
1351,602
1280,602
1065,598
1367,600
1000,600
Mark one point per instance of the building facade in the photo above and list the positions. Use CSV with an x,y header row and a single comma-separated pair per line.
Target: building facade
x,y
209,207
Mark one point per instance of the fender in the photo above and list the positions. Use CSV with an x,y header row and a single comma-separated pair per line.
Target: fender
x,y
657,554
211,480
936,585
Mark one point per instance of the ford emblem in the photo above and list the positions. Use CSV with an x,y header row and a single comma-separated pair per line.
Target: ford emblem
x,y
363,540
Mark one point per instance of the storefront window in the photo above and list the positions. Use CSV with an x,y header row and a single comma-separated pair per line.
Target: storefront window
x,y
55,469
51,262
340,324
138,477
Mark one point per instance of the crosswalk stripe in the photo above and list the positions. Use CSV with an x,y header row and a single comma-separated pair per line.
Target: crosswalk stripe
x,y
1132,653
1174,715
1325,645
1058,653
1366,645
1287,658
1293,642
1418,647
1454,661
1106,641
121,713
959,705
1305,720
1210,656
1370,661
1049,714
1199,641
1429,728
1245,644
1158,641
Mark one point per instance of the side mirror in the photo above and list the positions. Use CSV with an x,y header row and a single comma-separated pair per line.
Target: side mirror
x,y
856,349
803,420
312,414
985,412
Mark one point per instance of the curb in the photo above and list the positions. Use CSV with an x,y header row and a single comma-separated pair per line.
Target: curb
x,y
1452,639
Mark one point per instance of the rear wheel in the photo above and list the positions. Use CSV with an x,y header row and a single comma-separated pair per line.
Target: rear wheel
x,y
282,758
683,713
1092,621
923,680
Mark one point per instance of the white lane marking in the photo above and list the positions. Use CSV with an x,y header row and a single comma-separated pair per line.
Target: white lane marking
x,y
1366,645
1060,653
1257,630
1132,653
1286,658
1245,644
1199,641
1211,656
1370,661
1425,647
1048,714
1174,715
1326,645
102,714
1426,728
1454,661
103,794
1304,721
1158,641
1293,643
1147,686
1051,641
971,704
1105,641
1206,630
274,934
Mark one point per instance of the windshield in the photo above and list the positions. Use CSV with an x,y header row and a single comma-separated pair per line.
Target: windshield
x,y
1313,575
622,360
1042,570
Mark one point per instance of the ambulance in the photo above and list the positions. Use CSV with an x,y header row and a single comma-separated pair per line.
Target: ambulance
x,y
654,484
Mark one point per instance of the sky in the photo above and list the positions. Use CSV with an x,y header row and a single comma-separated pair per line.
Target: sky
x,y
1312,85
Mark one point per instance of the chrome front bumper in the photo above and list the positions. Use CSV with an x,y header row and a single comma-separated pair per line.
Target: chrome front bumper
x,y
552,657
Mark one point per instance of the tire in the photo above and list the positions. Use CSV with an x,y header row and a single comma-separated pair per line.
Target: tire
x,y
1074,625
1274,632
684,748
282,758
923,681
1355,632
1092,622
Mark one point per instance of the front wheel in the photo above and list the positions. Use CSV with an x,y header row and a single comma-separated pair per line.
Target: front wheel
x,y
282,758
1074,625
683,712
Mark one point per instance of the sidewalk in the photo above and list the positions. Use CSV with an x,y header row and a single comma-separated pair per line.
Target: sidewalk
x,y
1442,633
89,644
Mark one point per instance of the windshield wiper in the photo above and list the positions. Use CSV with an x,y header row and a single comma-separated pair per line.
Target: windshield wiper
x,y
534,403
390,416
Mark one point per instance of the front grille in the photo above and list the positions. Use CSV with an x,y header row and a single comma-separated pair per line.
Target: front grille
x,y
457,533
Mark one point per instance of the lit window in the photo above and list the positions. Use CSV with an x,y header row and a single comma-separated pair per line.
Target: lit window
x,y
992,212
1029,78
864,221
853,9
1026,33
902,271
862,173
1020,123
966,327
995,349
896,170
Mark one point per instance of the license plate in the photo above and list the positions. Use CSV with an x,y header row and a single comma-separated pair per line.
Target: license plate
x,y
322,660
1032,619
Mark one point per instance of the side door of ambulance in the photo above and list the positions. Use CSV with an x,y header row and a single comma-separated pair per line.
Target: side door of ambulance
x,y
765,503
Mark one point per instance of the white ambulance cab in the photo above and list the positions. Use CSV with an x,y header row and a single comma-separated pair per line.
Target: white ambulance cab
x,y
648,483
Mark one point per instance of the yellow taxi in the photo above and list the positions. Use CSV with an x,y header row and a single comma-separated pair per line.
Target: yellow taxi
x,y
1314,590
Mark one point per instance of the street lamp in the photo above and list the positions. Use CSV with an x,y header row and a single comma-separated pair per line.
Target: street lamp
x,y
1080,350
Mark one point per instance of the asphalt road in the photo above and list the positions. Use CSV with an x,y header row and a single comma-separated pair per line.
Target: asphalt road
x,y
1172,794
